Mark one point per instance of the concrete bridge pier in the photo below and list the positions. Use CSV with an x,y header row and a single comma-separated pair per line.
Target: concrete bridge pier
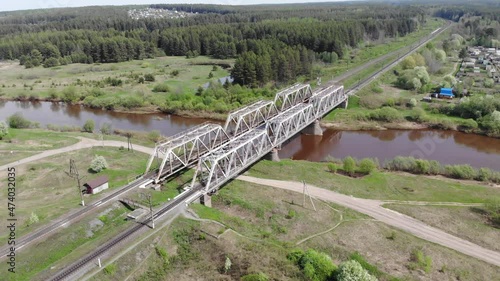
x,y
345,103
313,129
206,200
273,155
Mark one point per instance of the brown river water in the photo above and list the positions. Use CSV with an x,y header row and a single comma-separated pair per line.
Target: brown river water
x,y
448,147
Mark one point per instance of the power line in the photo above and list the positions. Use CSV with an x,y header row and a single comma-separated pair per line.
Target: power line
x,y
73,173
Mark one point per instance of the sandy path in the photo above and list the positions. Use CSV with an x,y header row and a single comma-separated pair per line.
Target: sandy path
x,y
83,143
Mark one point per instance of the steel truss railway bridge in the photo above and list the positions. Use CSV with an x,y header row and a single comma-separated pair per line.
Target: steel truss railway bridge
x,y
219,153
249,133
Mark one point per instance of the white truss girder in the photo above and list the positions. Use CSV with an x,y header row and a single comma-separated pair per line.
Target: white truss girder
x,y
291,96
185,148
327,99
227,161
290,122
249,117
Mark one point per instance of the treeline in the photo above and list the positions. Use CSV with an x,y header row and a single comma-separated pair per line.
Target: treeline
x,y
90,35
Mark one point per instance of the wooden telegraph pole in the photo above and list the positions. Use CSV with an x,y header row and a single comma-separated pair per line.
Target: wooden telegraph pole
x,y
73,173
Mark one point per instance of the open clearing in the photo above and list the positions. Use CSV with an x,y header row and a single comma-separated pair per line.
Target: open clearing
x,y
465,222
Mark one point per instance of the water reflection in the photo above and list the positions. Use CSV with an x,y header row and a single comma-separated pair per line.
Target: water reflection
x,y
448,147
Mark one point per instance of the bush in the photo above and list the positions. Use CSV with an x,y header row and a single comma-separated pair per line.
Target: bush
x,y
17,121
149,77
419,260
353,271
315,265
367,166
4,130
106,128
386,114
51,62
349,165
98,164
70,95
484,174
412,103
465,172
89,126
154,136
161,88
332,167
174,73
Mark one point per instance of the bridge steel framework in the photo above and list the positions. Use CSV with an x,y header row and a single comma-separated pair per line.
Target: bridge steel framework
x,y
249,117
230,159
293,95
227,161
185,148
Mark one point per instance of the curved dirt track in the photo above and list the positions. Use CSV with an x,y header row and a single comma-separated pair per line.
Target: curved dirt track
x,y
83,143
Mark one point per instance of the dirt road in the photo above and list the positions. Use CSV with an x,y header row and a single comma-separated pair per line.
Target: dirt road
x,y
374,209
83,143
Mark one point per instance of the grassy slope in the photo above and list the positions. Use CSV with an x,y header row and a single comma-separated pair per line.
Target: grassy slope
x,y
379,185
465,222
269,230
45,189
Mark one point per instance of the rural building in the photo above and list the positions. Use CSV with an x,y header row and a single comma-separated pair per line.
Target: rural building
x,y
446,93
97,185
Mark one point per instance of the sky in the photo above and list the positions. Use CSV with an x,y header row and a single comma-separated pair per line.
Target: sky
x,y
10,5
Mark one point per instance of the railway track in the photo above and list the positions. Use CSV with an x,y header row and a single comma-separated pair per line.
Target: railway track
x,y
70,270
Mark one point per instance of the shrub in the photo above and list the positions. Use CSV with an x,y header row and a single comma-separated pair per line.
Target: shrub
x,y
419,260
332,167
154,136
106,128
149,77
33,219
483,174
412,103
4,129
386,114
174,73
352,270
98,164
367,166
70,95
349,165
17,121
161,88
89,126
460,171
51,62
315,265
422,166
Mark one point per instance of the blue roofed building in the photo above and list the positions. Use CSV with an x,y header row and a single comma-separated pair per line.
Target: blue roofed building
x,y
446,93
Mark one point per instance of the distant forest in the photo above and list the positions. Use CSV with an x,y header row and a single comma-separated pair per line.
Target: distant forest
x,y
271,43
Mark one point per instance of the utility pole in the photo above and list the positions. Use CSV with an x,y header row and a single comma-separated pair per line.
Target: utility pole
x,y
148,197
305,190
73,173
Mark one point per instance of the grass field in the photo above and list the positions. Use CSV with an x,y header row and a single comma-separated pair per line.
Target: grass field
x,y
44,189
42,83
265,225
41,261
465,222
379,185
